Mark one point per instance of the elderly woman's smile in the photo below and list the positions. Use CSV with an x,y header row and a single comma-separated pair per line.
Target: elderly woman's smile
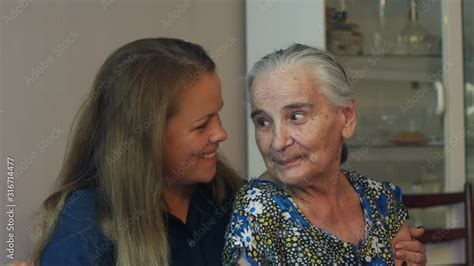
x,y
287,162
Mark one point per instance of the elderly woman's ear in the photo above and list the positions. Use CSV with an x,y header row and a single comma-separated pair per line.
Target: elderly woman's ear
x,y
349,119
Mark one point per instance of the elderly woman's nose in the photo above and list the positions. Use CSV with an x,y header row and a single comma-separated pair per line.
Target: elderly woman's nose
x,y
280,138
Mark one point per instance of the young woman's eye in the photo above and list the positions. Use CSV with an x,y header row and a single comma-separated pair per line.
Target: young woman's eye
x,y
297,116
201,127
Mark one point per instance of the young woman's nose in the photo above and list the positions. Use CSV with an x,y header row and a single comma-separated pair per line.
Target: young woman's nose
x,y
218,134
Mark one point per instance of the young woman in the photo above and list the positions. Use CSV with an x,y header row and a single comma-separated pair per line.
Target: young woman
x,y
142,183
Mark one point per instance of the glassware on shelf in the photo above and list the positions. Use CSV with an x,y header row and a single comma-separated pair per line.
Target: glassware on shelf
x,y
379,37
414,39
433,125
469,94
342,37
412,136
386,126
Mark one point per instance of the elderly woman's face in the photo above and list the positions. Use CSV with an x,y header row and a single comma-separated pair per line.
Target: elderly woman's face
x,y
298,132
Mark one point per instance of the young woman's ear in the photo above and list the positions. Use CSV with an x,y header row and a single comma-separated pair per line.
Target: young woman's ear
x,y
349,113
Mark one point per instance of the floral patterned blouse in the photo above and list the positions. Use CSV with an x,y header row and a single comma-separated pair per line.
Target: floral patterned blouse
x,y
268,228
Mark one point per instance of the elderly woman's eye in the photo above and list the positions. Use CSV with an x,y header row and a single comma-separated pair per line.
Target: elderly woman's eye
x,y
297,116
262,122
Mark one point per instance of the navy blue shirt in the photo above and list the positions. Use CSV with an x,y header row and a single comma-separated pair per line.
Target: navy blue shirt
x,y
79,240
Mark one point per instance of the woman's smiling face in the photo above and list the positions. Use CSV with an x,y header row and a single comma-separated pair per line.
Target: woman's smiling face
x,y
298,132
193,134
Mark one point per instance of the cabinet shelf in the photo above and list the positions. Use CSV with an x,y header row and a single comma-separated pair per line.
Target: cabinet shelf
x,y
390,67
391,152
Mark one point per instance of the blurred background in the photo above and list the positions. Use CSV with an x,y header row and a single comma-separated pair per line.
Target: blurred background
x,y
411,63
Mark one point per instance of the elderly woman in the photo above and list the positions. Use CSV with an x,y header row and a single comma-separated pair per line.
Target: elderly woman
x,y
305,209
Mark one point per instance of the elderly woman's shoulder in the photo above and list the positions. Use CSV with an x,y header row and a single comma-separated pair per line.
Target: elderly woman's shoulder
x,y
258,193
372,186
258,188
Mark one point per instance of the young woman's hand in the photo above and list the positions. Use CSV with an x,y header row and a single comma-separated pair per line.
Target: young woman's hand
x,y
412,251
20,263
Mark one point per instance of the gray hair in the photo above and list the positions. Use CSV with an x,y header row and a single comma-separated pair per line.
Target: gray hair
x,y
335,84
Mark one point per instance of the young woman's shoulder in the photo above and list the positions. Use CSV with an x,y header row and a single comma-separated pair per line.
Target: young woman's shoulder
x,y
78,238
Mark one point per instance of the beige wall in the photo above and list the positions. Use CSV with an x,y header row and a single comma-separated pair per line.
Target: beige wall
x,y
36,111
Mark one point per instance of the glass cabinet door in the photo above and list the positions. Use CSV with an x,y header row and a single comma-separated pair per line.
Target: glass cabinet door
x,y
399,62
468,44
406,63
396,68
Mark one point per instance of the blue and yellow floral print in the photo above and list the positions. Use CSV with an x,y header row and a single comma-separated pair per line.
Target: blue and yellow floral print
x,y
268,228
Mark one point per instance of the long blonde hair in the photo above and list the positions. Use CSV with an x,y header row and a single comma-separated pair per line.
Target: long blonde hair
x,y
117,143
